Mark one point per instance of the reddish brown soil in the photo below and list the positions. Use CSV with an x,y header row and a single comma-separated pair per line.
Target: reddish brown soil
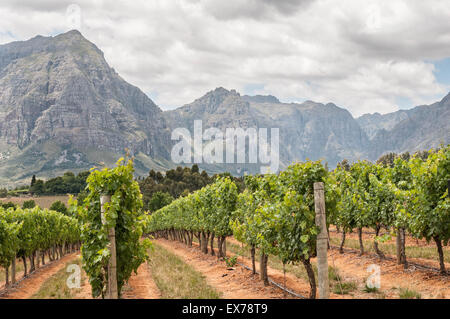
x,y
353,267
287,280
140,286
31,284
85,292
238,283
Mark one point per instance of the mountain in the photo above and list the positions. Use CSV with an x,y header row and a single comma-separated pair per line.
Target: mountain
x,y
420,128
62,107
307,130
314,131
374,123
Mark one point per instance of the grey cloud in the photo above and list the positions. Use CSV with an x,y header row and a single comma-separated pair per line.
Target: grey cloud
x,y
42,5
287,6
253,9
424,33
318,50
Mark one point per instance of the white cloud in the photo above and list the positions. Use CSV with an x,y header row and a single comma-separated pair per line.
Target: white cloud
x,y
363,57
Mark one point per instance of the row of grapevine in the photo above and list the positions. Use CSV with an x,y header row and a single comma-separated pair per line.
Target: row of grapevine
x,y
204,214
33,233
275,213
122,213
411,196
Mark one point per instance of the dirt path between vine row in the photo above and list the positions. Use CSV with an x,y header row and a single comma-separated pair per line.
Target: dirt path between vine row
x,y
354,268
140,286
351,266
288,280
31,284
238,283
85,292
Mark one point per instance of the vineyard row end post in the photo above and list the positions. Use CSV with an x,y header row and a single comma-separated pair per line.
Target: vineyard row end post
x,y
322,241
111,291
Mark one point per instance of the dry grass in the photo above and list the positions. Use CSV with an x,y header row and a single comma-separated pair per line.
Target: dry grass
x,y
41,201
427,252
56,286
176,279
338,284
344,288
406,293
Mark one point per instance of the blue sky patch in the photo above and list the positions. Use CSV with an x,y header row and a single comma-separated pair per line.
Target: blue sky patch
x,y
442,71
253,88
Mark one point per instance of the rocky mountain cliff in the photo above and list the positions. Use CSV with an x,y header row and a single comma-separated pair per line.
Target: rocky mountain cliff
x,y
62,106
420,128
307,130
320,131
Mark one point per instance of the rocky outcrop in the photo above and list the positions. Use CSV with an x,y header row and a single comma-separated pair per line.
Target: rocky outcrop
x,y
61,89
374,123
307,131
421,128
314,131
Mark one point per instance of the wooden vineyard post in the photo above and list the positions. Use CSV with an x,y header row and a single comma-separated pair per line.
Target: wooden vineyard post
x,y
322,241
13,270
111,291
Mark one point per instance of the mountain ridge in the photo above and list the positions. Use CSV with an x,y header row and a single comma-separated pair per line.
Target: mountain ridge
x,y
63,107
60,102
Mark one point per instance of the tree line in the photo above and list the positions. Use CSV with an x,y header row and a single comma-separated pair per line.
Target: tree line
x,y
69,183
159,189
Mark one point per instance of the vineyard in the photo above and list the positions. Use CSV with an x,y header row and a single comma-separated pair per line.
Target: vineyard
x,y
33,233
271,222
276,212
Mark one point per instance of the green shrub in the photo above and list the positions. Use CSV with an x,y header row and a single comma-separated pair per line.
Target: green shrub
x,y
159,200
81,196
3,193
59,207
7,205
29,204
231,261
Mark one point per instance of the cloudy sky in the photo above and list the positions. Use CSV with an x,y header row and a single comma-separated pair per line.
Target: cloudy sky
x,y
366,56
